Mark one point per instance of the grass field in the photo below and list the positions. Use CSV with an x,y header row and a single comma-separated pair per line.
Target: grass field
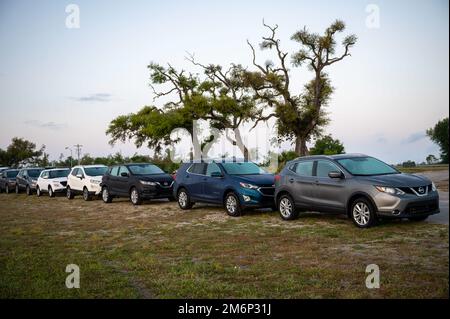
x,y
423,168
158,251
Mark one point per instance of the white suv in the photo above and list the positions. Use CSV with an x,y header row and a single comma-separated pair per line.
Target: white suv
x,y
85,180
52,181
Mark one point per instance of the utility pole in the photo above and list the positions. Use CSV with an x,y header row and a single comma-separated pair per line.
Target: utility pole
x,y
78,147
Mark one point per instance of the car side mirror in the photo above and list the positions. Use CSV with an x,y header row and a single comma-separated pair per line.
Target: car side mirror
x,y
124,174
216,175
80,176
335,174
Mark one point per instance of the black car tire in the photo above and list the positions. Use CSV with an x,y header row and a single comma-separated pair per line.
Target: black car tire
x,y
135,197
184,200
28,190
286,207
7,189
51,193
69,193
418,218
364,216
17,189
38,191
106,196
86,196
232,205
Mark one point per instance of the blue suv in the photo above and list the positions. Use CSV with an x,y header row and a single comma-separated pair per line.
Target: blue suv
x,y
235,184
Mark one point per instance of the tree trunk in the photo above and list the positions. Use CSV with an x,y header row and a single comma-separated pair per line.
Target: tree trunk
x,y
241,144
300,146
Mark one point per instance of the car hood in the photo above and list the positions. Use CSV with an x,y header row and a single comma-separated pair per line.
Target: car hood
x,y
396,180
95,178
258,180
156,178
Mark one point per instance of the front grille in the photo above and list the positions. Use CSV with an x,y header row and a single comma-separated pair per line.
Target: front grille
x,y
422,207
419,191
63,183
267,191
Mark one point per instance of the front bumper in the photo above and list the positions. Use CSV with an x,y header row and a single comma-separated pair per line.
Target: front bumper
x,y
94,189
251,198
155,192
405,206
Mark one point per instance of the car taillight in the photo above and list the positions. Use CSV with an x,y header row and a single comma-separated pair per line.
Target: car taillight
x,y
277,178
174,176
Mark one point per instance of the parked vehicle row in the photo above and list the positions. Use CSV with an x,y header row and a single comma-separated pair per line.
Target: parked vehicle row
x,y
362,187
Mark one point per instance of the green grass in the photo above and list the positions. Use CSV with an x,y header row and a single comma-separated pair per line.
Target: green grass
x,y
423,168
158,251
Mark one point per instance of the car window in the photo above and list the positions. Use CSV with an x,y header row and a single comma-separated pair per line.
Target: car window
x,y
199,168
114,171
58,173
213,168
324,167
96,170
75,171
123,169
304,168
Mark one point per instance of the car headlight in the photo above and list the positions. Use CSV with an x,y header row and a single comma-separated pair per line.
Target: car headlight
x,y
148,183
433,187
390,190
95,182
249,186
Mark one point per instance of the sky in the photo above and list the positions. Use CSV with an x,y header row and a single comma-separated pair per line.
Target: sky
x,y
62,86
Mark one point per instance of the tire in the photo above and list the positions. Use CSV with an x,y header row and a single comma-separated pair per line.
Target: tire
x,y
184,200
232,205
286,207
69,193
107,198
362,213
86,196
17,189
135,197
28,190
51,193
7,189
38,191
1,190
418,218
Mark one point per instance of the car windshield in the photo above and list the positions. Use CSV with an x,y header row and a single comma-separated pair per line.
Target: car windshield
x,y
59,173
366,166
11,174
243,168
34,172
95,171
145,169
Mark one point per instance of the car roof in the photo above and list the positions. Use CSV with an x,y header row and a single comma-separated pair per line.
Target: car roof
x,y
218,160
90,166
56,169
331,157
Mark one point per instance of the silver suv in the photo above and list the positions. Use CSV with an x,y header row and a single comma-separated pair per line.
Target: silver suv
x,y
361,186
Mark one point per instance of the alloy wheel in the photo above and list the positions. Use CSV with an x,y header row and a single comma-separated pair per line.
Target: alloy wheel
x,y
134,196
105,195
361,213
231,204
285,207
182,199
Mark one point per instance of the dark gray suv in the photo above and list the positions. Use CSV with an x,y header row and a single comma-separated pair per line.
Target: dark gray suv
x,y
361,186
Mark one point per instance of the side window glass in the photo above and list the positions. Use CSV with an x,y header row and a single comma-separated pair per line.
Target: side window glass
x,y
115,171
213,168
304,168
75,172
123,169
324,167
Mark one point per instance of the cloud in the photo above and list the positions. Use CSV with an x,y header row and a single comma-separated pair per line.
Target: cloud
x,y
97,97
414,138
47,125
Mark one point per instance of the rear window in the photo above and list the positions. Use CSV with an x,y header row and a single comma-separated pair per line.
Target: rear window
x,y
304,168
198,168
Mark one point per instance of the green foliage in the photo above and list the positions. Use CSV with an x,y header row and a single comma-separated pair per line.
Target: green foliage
x,y
22,152
439,135
409,163
327,146
285,157
431,159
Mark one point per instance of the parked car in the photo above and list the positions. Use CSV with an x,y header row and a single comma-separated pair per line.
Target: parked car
x,y
85,180
3,169
8,180
358,185
237,185
26,180
137,182
52,181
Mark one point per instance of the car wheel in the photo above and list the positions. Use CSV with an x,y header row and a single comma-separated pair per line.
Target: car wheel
x,y
69,193
106,196
1,190
418,218
50,192
363,213
17,189
286,207
38,192
28,190
232,205
184,201
86,195
7,189
135,197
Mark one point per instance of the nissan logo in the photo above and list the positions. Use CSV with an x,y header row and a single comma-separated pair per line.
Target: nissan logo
x,y
421,190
